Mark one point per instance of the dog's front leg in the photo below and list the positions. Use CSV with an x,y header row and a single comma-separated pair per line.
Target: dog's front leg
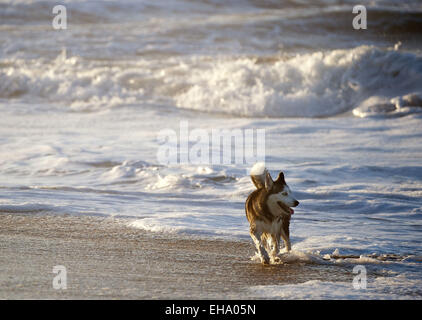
x,y
275,248
256,237
286,240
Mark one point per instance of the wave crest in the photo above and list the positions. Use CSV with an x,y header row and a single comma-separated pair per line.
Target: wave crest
x,y
319,84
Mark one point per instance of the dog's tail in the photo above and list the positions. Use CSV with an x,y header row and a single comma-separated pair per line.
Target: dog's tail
x,y
258,174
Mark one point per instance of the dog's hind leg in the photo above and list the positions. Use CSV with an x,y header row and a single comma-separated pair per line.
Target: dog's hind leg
x,y
256,237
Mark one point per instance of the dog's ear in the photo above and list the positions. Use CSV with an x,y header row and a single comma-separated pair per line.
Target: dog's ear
x,y
268,181
280,178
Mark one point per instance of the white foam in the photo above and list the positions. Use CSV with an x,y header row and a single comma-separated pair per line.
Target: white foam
x,y
181,223
306,85
397,106
395,287
150,225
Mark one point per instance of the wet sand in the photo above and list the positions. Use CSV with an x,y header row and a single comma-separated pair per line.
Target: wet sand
x,y
106,259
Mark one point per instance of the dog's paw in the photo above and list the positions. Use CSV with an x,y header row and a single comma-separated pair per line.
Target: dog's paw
x,y
275,260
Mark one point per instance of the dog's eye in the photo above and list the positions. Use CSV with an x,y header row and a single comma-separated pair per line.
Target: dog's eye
x,y
284,193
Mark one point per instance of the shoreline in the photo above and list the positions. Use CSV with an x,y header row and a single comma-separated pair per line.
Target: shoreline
x,y
107,259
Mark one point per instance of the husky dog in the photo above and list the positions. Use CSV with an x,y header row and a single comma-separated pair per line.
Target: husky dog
x,y
268,210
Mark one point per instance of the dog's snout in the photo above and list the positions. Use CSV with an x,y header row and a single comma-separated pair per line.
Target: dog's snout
x,y
296,203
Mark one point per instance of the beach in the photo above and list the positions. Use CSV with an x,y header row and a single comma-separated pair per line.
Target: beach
x,y
105,259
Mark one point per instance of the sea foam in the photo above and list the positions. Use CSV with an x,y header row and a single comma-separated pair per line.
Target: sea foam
x,y
366,79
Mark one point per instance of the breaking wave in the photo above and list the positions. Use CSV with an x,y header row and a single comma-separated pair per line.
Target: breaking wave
x,y
366,79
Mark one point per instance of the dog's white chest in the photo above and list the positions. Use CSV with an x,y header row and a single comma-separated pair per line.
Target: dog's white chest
x,y
272,227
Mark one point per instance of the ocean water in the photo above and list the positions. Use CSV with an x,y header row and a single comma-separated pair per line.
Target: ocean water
x,y
82,110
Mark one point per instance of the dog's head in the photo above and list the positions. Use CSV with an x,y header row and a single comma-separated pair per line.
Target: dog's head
x,y
279,194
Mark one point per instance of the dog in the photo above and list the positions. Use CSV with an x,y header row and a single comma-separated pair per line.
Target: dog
x,y
268,210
